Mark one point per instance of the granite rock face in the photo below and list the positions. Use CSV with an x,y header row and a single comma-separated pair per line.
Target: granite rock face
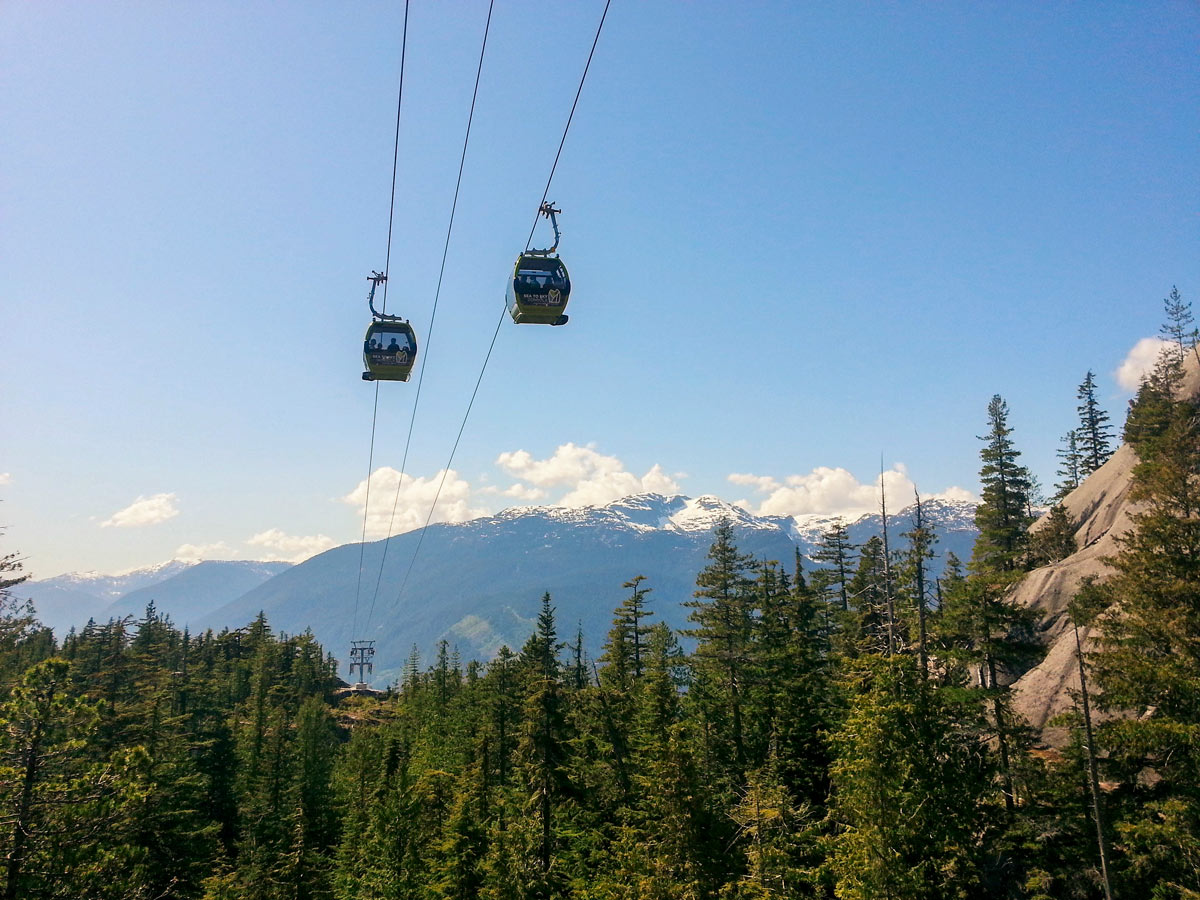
x,y
1103,512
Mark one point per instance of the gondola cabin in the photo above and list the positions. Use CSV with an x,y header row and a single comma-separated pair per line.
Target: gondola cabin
x,y
389,351
538,290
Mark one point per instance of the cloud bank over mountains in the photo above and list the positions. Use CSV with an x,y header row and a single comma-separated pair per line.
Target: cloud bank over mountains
x,y
834,492
573,476
577,476
587,477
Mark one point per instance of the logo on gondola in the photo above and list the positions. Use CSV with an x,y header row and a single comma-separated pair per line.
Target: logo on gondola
x,y
553,297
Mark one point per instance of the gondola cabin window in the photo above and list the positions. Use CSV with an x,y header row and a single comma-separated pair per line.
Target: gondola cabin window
x,y
389,347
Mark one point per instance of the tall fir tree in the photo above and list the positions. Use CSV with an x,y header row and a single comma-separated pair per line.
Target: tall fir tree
x,y
1070,465
868,631
1094,434
915,581
835,552
722,613
1003,517
1179,329
543,747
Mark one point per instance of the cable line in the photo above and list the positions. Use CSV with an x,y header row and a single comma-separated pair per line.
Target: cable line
x,y
432,318
386,267
504,310
570,116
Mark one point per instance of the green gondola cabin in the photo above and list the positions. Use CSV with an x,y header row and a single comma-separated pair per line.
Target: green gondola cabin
x,y
538,290
389,351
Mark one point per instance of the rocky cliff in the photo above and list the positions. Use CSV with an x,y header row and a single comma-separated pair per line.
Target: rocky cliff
x,y
1103,512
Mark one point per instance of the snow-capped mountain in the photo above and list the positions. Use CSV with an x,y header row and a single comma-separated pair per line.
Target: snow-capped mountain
x,y
478,584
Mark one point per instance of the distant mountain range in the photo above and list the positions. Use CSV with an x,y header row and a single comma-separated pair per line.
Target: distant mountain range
x,y
478,584
181,588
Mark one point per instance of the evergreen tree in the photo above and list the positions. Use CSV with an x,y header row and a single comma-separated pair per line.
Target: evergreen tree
x,y
869,591
51,786
1152,408
1071,469
543,746
789,670
1003,516
1054,538
503,704
913,576
1148,667
779,839
1179,329
1094,435
23,641
632,614
722,613
909,775
836,552
985,638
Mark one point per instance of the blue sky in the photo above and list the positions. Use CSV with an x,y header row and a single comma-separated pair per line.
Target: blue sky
x,y
802,237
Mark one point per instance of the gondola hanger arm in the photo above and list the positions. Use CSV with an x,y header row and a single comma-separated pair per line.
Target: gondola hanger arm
x,y
376,279
548,210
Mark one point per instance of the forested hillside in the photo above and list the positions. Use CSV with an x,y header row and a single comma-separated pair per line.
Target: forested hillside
x,y
844,730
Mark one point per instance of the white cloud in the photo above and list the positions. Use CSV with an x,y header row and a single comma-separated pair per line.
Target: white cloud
x,y
834,491
289,547
764,484
1138,363
219,550
956,495
5,478
591,478
144,511
412,502
517,491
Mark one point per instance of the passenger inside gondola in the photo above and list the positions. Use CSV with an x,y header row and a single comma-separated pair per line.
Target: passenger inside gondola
x,y
390,342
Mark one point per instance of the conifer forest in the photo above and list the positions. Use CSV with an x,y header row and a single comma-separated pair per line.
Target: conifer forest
x,y
838,727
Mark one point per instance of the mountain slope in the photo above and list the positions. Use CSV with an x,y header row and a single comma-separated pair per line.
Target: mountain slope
x,y
70,600
197,590
180,588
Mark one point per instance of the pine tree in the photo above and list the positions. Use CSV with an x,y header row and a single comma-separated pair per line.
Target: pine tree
x,y
1148,667
722,613
632,613
1071,469
836,552
1003,516
1179,329
985,636
23,641
52,783
543,746
1054,538
1152,408
913,574
909,775
1094,435
791,703
869,591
